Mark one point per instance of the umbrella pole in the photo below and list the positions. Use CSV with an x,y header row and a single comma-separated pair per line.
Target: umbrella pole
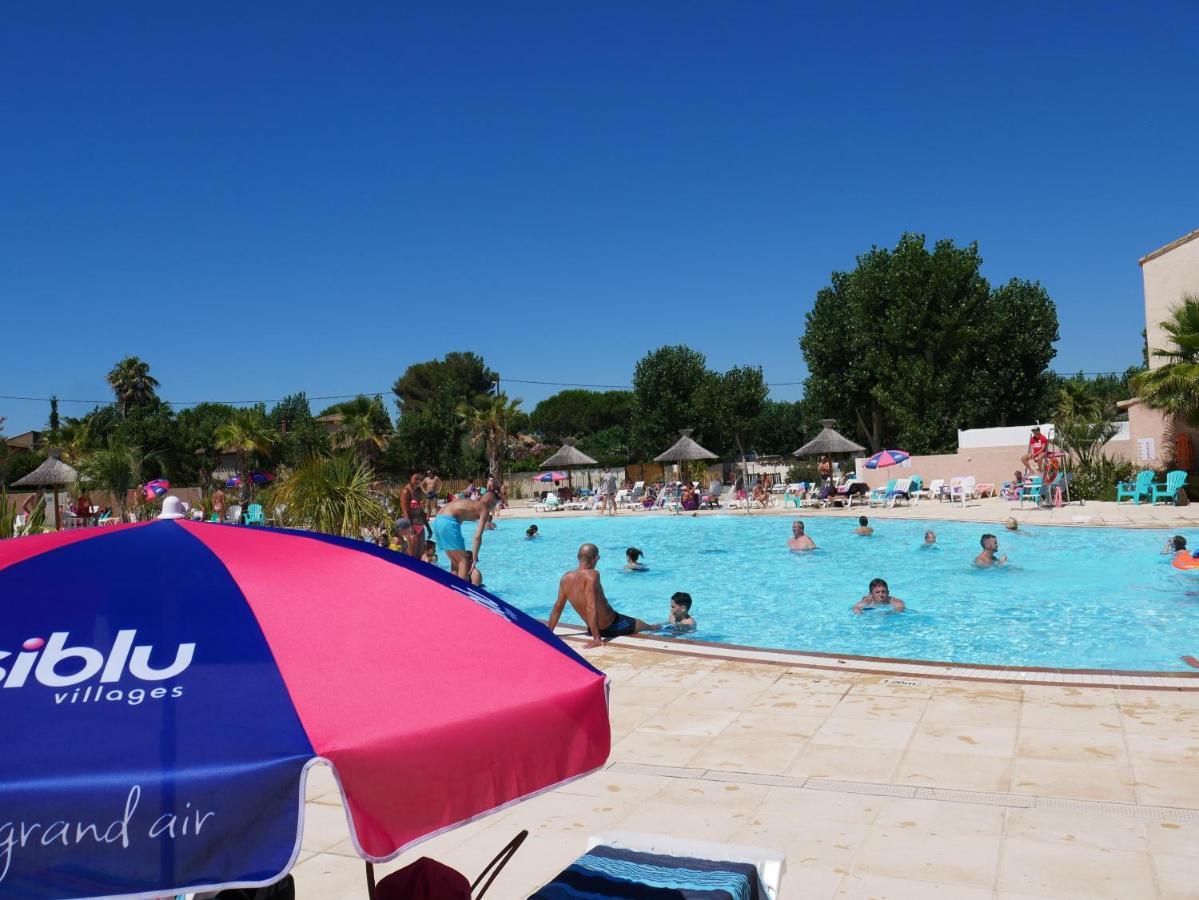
x,y
57,517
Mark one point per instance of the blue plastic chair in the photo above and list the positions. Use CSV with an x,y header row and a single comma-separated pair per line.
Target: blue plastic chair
x,y
1140,487
1033,489
1175,481
254,515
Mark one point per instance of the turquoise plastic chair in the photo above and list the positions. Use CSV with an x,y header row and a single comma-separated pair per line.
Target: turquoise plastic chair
x,y
254,515
1033,490
1140,487
1174,483
880,493
790,499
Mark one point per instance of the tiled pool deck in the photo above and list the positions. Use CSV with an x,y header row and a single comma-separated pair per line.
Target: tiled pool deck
x,y
872,785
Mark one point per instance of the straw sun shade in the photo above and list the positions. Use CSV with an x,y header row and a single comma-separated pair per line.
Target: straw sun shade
x,y
53,473
828,441
567,457
684,449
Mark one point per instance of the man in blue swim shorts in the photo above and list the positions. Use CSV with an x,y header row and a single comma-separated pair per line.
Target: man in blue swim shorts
x,y
583,589
447,530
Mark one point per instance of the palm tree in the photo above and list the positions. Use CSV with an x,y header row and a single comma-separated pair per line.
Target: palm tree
x,y
364,426
132,383
245,433
331,494
1174,387
115,469
487,421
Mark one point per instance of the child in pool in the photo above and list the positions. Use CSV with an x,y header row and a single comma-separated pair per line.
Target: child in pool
x,y
430,553
476,577
633,561
531,532
680,614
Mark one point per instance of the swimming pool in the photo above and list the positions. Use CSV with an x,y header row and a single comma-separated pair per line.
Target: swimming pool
x,y
1096,598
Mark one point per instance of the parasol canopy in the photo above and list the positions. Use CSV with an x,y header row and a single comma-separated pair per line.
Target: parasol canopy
x,y
551,476
53,472
255,478
829,441
167,722
684,449
885,458
569,456
155,488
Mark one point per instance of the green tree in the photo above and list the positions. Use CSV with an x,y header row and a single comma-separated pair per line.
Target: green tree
x,y
913,345
331,494
665,383
132,383
465,375
731,404
151,426
246,433
53,423
364,426
576,412
116,469
300,435
197,452
427,438
1173,387
781,427
488,422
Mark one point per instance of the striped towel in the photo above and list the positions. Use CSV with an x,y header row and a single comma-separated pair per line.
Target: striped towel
x,y
604,873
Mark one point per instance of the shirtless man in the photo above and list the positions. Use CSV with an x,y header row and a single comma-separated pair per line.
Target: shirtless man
x,y
879,598
987,558
447,530
432,487
864,529
583,589
799,540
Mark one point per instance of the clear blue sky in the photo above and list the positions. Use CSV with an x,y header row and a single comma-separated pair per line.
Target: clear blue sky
x,y
259,198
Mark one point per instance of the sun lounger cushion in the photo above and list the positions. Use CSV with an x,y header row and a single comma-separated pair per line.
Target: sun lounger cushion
x,y
610,872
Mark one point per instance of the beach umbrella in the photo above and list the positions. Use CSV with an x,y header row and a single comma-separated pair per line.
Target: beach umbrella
x,y
255,478
683,450
551,476
569,456
168,713
829,441
885,458
52,473
156,488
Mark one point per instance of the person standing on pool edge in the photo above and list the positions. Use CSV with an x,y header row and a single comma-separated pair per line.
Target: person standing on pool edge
x,y
447,530
583,589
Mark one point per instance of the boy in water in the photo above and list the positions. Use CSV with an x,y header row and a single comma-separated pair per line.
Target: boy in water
x,y
987,558
476,577
680,613
430,553
930,538
863,528
879,597
633,561
531,532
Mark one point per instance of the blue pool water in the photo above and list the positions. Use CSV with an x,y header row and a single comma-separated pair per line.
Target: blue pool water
x,y
1072,597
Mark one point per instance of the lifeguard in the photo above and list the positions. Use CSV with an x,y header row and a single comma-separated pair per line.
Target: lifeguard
x,y
1038,446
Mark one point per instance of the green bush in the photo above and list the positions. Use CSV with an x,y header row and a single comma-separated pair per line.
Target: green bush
x,y
1097,481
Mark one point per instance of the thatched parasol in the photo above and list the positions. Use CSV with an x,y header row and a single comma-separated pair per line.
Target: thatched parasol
x,y
684,449
828,442
567,457
52,473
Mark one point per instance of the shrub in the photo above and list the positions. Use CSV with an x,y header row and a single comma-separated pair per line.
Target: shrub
x,y
1097,480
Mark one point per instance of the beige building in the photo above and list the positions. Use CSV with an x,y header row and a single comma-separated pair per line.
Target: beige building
x,y
1168,273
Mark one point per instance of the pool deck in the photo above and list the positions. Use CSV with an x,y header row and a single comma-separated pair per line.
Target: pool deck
x,y
988,510
873,786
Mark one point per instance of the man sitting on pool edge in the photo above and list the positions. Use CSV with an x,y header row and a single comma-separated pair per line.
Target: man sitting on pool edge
x,y
879,597
583,589
799,540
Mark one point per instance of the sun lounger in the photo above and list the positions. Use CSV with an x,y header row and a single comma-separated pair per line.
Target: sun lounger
x,y
624,864
633,501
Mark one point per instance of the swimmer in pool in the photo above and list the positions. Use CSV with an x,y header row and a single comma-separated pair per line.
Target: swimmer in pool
x,y
879,597
799,540
930,538
1011,524
987,558
476,576
680,613
633,562
582,588
1174,544
863,528
531,532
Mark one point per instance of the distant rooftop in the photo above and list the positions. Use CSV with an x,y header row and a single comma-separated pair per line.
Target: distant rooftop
x,y
1170,246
